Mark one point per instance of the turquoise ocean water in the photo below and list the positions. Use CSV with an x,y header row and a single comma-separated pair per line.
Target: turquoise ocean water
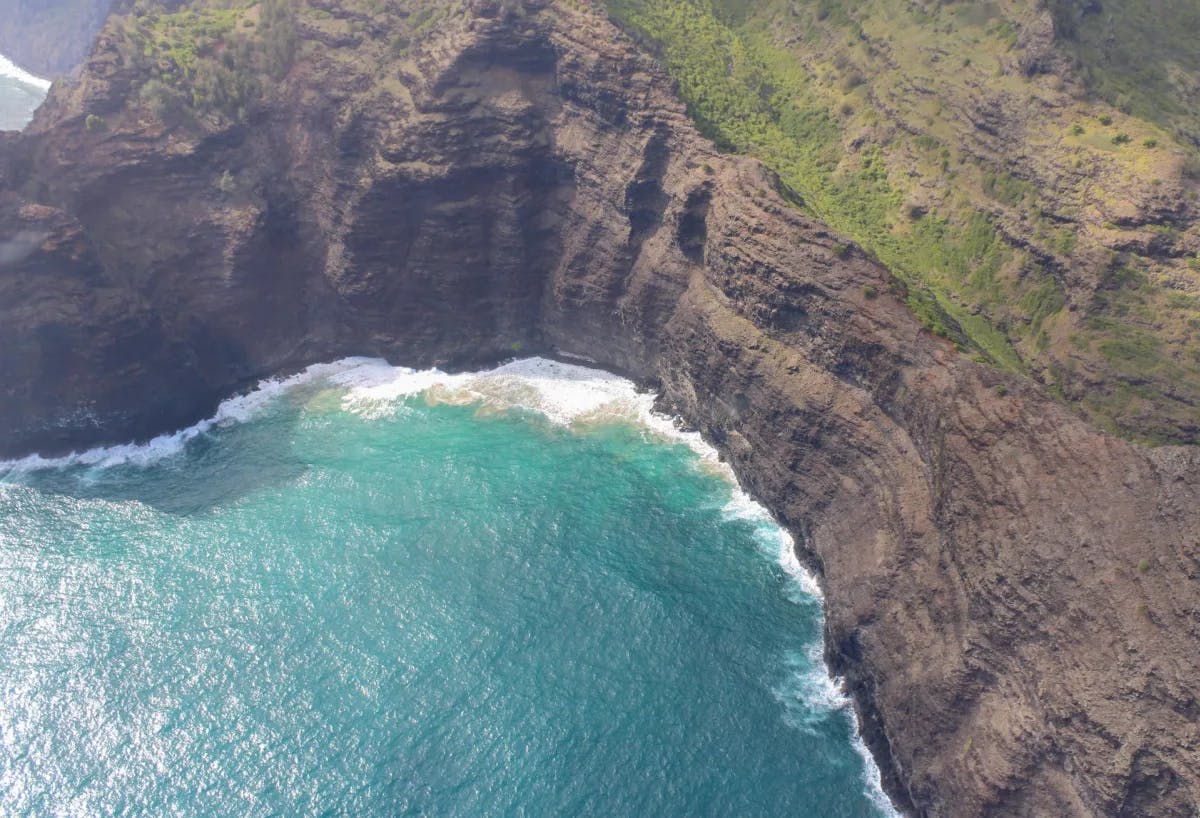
x,y
372,592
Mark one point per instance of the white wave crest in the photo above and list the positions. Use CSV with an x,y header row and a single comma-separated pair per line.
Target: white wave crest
x,y
810,694
233,410
872,777
8,68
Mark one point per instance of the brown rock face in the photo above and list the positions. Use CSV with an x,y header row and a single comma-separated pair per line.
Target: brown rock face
x,y
1013,597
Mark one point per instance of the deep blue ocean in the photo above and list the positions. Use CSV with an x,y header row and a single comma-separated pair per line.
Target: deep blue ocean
x,y
371,592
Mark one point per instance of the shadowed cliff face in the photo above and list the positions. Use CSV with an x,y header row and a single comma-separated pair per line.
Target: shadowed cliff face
x,y
1013,597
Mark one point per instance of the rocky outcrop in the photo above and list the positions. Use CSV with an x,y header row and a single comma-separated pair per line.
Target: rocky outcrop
x,y
1013,596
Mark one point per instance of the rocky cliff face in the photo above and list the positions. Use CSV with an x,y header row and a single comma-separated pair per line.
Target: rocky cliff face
x,y
1013,597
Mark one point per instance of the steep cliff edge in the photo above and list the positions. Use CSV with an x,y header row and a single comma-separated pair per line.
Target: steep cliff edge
x,y
1013,597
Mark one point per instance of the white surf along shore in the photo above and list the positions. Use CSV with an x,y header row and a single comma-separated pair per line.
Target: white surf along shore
x,y
565,394
10,69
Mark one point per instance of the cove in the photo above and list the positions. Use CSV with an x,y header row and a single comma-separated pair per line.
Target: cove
x,y
372,591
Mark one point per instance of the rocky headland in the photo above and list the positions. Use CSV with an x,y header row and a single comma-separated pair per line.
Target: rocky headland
x,y
1013,595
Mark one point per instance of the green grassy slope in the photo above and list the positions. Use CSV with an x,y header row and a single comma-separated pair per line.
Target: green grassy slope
x,y
1139,55
203,64
958,142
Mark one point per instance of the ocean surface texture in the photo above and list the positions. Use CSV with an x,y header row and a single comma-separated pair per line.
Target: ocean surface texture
x,y
367,591
20,95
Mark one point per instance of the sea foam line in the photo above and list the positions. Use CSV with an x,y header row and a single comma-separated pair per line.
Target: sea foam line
x,y
564,394
10,69
237,409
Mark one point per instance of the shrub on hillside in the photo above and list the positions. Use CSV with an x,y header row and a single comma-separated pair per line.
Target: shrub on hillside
x,y
165,102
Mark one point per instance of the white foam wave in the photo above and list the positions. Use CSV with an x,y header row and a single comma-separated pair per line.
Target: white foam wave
x,y
563,393
811,694
234,410
8,68
872,777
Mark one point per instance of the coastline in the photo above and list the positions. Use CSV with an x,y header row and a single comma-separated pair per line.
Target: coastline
x,y
10,69
567,392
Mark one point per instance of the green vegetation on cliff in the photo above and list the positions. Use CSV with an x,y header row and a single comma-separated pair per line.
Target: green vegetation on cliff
x,y
1139,55
209,60
959,143
750,96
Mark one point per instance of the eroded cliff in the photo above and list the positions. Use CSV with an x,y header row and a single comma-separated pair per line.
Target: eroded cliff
x,y
1013,596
